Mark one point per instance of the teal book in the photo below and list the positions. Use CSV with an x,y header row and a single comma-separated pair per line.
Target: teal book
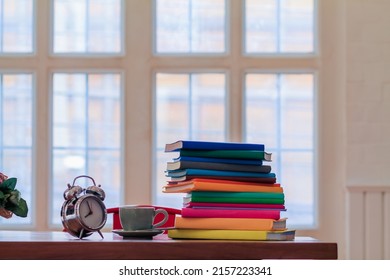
x,y
217,173
245,162
221,197
210,145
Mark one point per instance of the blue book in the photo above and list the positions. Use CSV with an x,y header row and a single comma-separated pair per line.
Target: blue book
x,y
209,145
219,173
231,154
221,160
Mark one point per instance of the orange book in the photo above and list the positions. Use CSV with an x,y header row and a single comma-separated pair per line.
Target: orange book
x,y
230,223
220,185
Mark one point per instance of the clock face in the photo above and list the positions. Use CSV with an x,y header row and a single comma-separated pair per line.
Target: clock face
x,y
92,212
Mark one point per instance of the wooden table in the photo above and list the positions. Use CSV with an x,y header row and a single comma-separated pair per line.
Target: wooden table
x,y
28,245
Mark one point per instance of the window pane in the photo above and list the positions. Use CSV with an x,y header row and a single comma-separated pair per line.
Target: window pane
x,y
16,26
82,26
185,104
280,114
86,133
190,26
16,94
279,26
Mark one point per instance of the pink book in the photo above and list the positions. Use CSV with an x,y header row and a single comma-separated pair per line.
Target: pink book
x,y
230,213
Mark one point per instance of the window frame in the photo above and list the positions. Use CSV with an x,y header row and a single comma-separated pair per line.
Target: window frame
x,y
87,54
191,54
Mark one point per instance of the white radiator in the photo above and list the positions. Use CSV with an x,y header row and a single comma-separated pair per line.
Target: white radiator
x,y
368,229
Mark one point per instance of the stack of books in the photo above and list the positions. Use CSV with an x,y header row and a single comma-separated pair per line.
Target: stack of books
x,y
229,192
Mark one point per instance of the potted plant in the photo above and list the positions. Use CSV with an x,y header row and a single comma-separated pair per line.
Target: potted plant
x,y
11,201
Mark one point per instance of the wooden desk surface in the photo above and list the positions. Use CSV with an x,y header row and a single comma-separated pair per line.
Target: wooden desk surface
x,y
29,245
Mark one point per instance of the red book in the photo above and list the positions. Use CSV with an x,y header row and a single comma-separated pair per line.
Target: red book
x,y
230,213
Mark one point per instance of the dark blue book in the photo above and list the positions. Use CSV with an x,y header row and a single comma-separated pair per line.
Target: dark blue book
x,y
188,164
209,145
221,160
231,154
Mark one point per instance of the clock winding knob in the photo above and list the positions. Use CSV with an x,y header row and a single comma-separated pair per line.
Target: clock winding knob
x,y
96,190
72,192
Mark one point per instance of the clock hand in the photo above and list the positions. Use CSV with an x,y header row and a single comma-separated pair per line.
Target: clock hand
x,y
89,206
88,214
90,210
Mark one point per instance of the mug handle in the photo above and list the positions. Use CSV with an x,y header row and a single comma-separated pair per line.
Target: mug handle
x,y
164,220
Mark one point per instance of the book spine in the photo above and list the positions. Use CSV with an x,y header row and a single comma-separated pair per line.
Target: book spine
x,y
222,194
217,166
217,234
234,154
231,234
229,223
237,200
208,145
218,213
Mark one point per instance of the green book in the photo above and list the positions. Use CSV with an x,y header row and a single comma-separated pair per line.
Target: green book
x,y
197,194
222,197
232,154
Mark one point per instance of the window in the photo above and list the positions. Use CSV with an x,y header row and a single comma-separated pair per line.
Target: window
x,y
103,87
16,22
190,26
16,133
87,26
279,26
86,133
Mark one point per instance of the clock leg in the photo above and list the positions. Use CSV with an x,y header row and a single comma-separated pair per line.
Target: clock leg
x,y
101,234
81,234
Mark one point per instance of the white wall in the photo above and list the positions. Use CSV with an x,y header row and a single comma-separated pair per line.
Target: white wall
x,y
368,92
368,128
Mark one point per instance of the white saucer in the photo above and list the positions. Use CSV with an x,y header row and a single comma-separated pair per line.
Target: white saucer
x,y
137,233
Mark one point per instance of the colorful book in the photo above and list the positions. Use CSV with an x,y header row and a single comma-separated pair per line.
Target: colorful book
x,y
232,154
258,235
230,213
235,197
197,194
217,173
230,223
208,145
187,164
262,180
199,184
216,205
221,160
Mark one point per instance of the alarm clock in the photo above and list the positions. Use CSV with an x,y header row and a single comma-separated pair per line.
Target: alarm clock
x,y
83,211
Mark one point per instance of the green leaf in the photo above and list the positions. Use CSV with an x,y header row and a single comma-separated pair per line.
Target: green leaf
x,y
20,210
14,197
9,184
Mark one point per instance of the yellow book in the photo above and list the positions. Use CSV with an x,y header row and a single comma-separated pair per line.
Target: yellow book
x,y
259,235
220,185
230,223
